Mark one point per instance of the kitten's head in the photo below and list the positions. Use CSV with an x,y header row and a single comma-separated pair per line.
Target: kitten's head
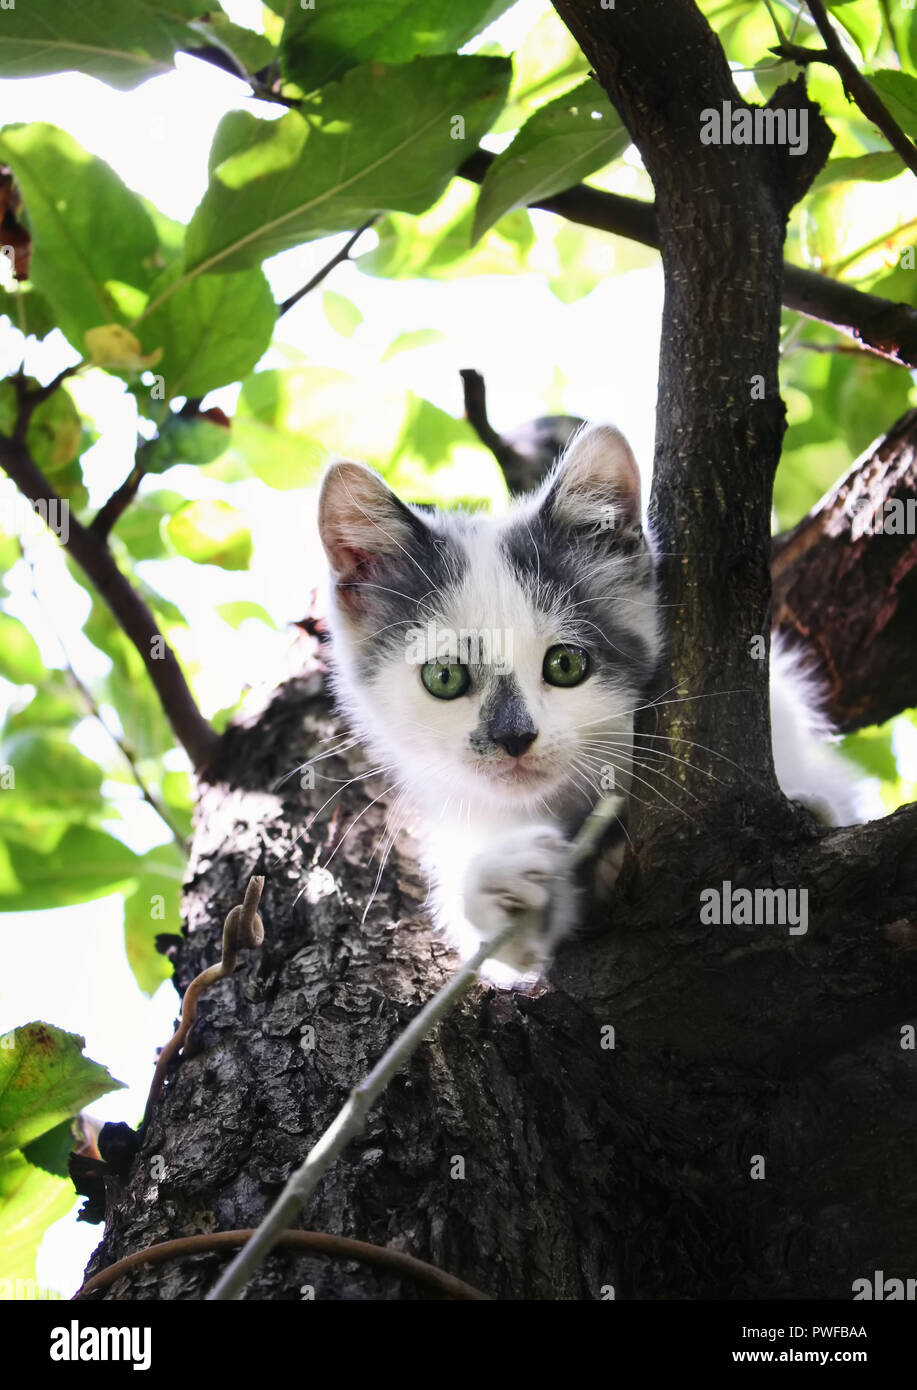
x,y
496,660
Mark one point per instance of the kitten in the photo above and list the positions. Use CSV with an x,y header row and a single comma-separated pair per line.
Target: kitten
x,y
495,664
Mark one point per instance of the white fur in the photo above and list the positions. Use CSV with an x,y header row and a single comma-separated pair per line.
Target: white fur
x,y
493,844
808,768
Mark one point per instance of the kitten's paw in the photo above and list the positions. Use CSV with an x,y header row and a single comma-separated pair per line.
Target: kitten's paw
x,y
523,880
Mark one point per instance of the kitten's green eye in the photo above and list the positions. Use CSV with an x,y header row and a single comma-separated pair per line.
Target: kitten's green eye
x,y
565,665
445,681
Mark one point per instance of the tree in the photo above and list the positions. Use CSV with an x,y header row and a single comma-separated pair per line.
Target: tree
x,y
669,1115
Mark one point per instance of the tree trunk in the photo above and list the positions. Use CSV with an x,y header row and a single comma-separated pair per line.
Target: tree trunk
x,y
584,1165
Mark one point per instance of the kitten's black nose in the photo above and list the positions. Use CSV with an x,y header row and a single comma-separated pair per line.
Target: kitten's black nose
x,y
507,721
516,742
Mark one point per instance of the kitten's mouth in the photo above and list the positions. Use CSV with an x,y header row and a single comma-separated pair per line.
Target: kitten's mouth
x,y
518,773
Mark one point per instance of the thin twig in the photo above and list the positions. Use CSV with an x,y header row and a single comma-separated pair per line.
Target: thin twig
x,y
31,397
350,1120
799,54
516,469
849,349
314,1242
856,86
242,927
320,275
108,515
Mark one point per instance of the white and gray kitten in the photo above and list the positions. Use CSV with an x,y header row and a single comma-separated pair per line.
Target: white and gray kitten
x,y
494,664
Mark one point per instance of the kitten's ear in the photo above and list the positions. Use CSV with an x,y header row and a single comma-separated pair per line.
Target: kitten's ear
x,y
596,484
360,519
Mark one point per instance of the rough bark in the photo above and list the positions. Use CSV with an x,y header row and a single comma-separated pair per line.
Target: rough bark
x,y
845,583
585,1166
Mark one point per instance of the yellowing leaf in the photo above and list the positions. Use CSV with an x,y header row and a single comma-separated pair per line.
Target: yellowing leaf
x,y
112,345
211,532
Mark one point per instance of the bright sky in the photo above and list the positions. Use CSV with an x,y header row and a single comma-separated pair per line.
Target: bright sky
x,y
68,966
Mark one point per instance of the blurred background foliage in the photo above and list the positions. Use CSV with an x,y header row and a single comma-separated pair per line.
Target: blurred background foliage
x,y
159,314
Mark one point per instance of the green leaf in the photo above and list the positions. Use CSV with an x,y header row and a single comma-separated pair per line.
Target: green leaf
x,y
270,422
54,783
123,44
556,148
320,44
382,138
546,64
343,315
898,91
44,1079
9,883
9,548
429,440
51,1150
289,422
253,51
86,864
20,659
872,750
128,686
236,613
140,527
68,483
55,434
195,441
211,532
870,168
409,342
92,236
838,404
153,910
55,705
28,310
863,21
437,245
31,1200
212,330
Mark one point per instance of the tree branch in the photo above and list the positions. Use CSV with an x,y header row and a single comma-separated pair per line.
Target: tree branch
x,y
515,468
858,88
882,326
845,582
97,562
326,269
108,515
